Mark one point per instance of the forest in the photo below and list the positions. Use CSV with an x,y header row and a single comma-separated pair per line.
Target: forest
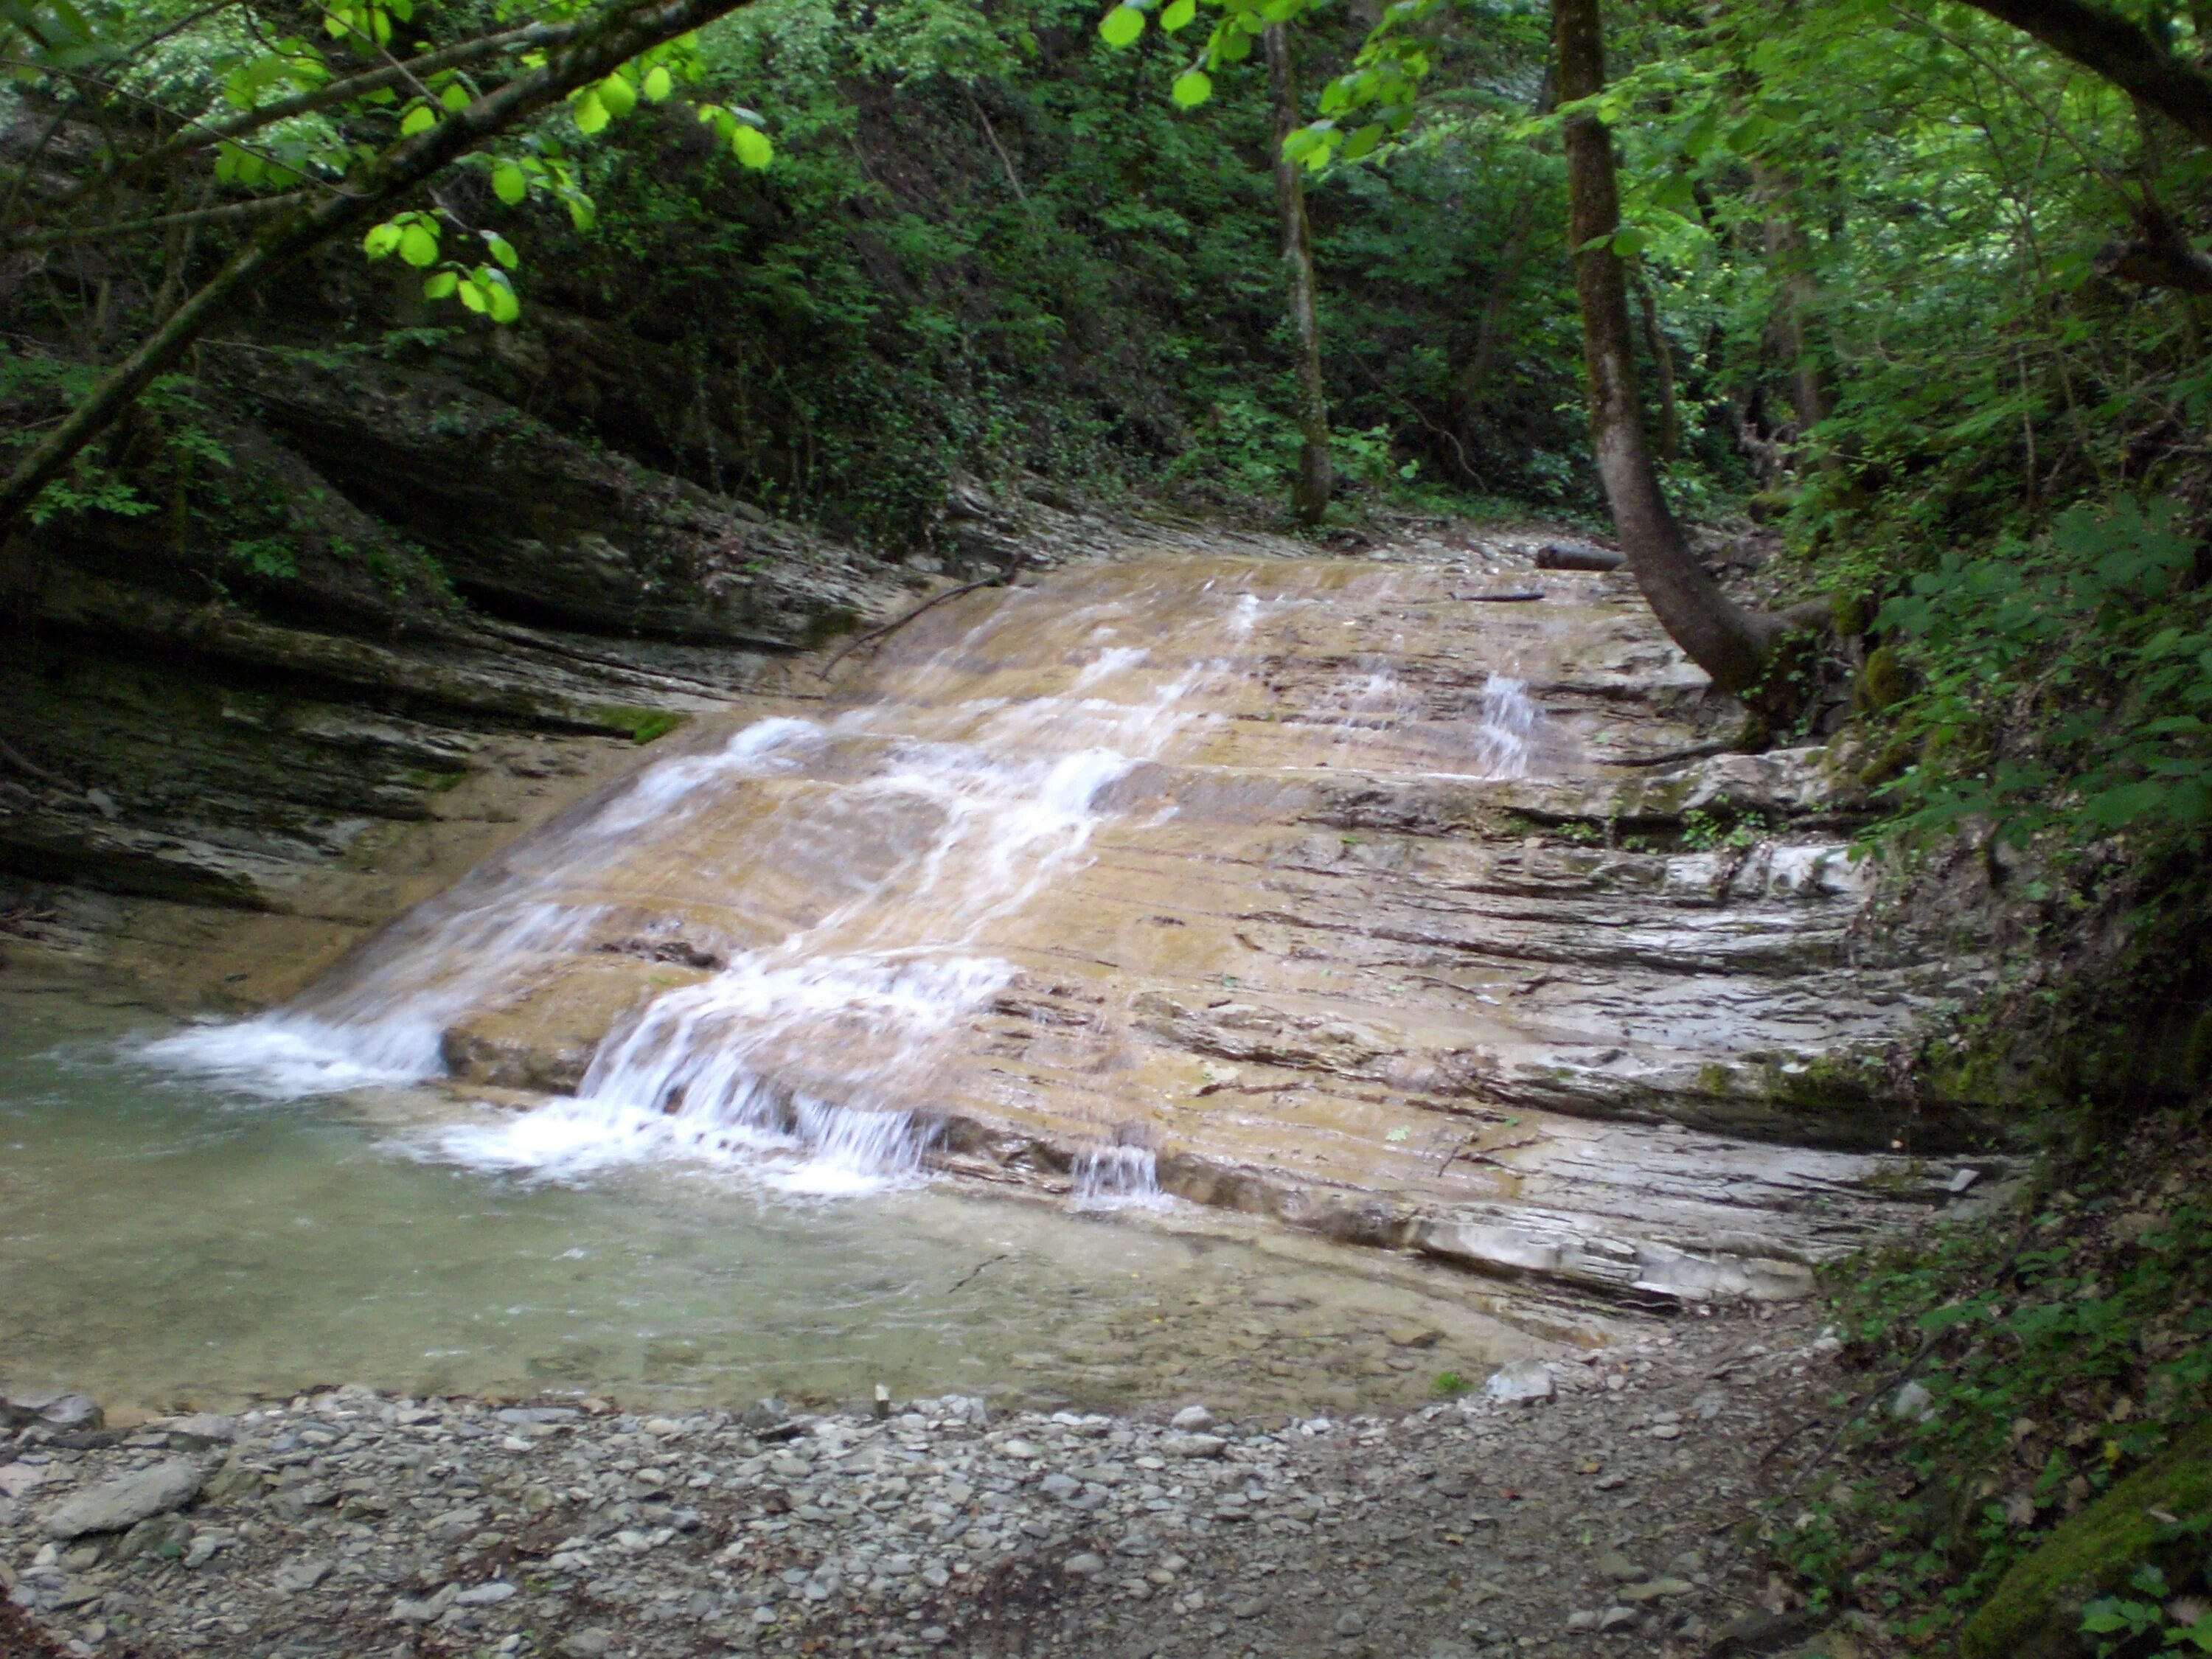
x,y
1871,334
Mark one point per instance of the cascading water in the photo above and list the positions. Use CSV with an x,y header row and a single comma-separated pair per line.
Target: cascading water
x,y
1115,1178
784,949
1506,742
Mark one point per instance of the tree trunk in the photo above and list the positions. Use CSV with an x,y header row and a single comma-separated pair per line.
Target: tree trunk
x,y
611,43
1730,644
1309,496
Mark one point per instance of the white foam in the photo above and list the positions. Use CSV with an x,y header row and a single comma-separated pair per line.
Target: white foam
x,y
1505,741
1117,1177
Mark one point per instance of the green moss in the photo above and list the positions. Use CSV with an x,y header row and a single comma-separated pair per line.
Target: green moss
x,y
827,625
437,782
2094,1552
638,725
1884,680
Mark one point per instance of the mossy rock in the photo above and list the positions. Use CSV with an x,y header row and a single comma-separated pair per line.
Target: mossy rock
x,y
1884,680
2036,1611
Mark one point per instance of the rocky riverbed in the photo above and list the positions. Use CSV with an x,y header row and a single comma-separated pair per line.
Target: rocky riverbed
x,y
1591,1504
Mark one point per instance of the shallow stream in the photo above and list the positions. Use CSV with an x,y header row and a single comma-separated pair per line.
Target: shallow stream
x,y
164,1241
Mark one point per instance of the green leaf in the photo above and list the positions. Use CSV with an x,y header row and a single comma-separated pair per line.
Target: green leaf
x,y
617,96
380,240
1178,16
1121,25
503,250
421,118
1364,140
752,146
418,245
659,83
591,115
440,285
472,296
455,97
1192,87
1628,242
505,307
508,184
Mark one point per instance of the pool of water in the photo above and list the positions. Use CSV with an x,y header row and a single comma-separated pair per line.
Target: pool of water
x,y
166,1241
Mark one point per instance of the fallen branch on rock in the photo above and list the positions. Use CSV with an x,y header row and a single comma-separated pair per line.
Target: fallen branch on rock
x,y
999,580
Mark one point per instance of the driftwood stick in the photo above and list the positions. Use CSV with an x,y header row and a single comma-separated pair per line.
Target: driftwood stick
x,y
999,580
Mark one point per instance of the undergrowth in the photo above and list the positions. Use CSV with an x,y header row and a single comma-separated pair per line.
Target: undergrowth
x,y
2007,1375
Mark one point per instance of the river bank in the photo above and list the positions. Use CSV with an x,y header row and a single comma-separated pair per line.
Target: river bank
x,y
1586,1505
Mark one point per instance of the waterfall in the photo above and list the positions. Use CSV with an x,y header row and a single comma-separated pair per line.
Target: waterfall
x,y
783,948
1505,741
1117,1177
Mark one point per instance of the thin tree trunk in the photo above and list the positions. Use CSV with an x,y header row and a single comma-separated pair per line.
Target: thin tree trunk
x,y
1309,496
410,162
1662,364
1790,259
1730,644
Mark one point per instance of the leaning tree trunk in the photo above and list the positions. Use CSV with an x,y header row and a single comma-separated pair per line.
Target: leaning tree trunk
x,y
1309,496
1730,644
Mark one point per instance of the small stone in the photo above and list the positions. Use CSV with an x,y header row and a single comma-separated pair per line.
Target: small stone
x,y
592,1642
1191,1419
1618,1568
1352,1622
1914,1401
162,1535
301,1573
1057,1485
1519,1384
426,1610
1619,1618
1666,1430
1414,1336
1250,1607
16,1479
1581,1620
1656,1589
1192,1445
1084,1565
485,1595
120,1504
201,1429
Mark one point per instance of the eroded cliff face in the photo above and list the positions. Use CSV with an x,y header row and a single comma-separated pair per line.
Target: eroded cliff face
x,y
1352,891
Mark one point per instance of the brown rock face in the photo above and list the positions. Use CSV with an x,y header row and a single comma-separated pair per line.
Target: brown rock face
x,y
1303,886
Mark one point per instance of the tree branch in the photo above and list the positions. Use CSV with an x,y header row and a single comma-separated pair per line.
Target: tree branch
x,y
230,213
199,135
614,39
2102,39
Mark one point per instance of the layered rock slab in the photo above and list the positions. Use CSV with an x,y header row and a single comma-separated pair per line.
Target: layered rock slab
x,y
1316,886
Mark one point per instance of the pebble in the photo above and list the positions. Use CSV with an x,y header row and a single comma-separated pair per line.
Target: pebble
x,y
120,1504
344,1521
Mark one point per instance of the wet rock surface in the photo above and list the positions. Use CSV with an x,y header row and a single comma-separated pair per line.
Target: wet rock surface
x,y
1600,1516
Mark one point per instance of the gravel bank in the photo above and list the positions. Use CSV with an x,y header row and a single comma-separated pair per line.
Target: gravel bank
x,y
1598,1512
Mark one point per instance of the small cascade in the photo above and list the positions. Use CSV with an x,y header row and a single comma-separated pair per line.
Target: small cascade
x,y
1505,741
1117,1177
788,949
